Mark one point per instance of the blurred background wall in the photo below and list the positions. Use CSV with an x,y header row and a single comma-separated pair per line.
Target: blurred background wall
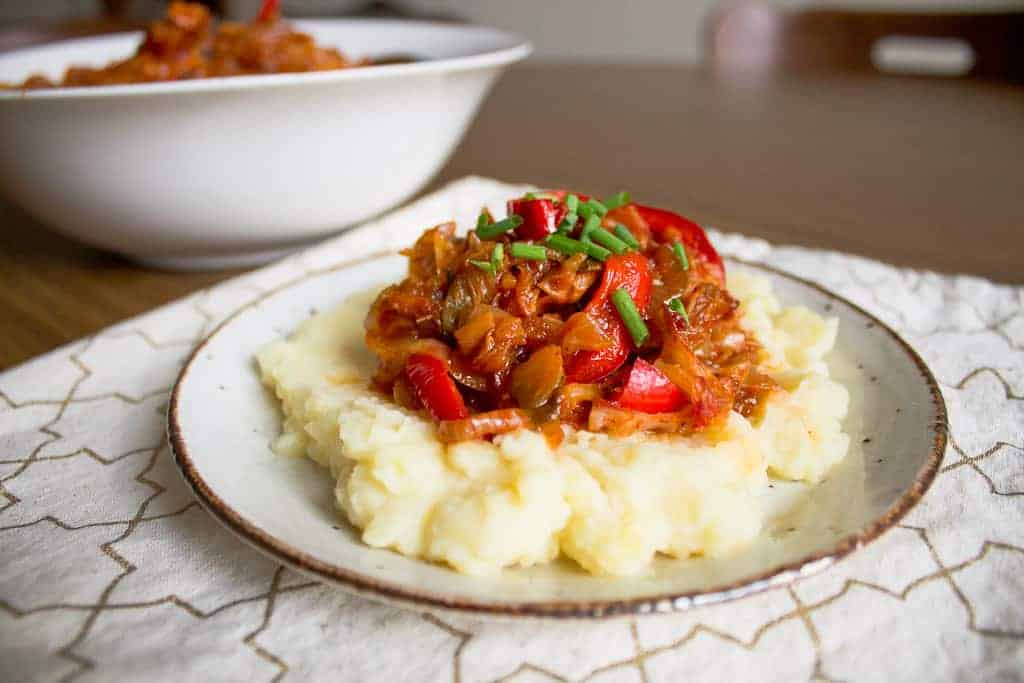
x,y
566,30
646,30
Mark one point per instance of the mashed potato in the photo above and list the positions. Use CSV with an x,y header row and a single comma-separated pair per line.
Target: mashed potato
x,y
609,504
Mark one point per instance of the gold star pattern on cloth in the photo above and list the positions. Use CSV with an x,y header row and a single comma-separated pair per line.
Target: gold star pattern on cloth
x,y
109,570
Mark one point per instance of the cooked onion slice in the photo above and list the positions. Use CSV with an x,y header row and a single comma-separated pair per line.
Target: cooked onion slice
x,y
621,422
482,425
534,381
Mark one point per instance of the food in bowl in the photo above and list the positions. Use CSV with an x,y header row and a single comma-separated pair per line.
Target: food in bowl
x,y
244,169
182,46
574,379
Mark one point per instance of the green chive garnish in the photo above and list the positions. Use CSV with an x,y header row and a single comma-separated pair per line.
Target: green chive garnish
x,y
572,202
497,256
608,240
564,245
631,317
680,251
483,219
532,252
594,251
489,232
592,207
485,266
626,236
675,304
614,202
592,223
568,245
568,223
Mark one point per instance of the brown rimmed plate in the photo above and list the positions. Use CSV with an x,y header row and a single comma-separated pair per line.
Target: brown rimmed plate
x,y
221,421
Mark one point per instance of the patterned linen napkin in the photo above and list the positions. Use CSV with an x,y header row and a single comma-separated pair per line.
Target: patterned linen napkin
x,y
109,570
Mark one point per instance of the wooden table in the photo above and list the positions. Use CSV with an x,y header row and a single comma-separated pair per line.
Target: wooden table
x,y
920,173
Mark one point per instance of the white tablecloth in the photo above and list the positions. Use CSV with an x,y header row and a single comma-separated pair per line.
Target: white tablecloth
x,y
110,571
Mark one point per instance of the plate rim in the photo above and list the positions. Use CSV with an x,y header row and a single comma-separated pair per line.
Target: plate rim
x,y
368,586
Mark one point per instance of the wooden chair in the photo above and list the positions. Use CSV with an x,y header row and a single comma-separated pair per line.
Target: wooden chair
x,y
758,38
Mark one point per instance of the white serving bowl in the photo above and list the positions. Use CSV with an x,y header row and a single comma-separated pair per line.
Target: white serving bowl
x,y
233,171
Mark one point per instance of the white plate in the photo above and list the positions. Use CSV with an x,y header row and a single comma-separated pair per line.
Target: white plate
x,y
221,422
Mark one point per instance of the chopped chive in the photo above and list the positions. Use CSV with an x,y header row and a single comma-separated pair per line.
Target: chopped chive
x,y
618,200
675,304
532,252
623,233
489,232
608,240
485,266
483,219
592,223
497,256
568,223
572,202
592,207
568,245
594,251
631,317
563,244
680,251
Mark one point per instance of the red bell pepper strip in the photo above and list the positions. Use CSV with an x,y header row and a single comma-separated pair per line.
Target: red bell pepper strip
x,y
540,217
667,226
269,11
648,390
560,210
632,272
434,387
590,366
